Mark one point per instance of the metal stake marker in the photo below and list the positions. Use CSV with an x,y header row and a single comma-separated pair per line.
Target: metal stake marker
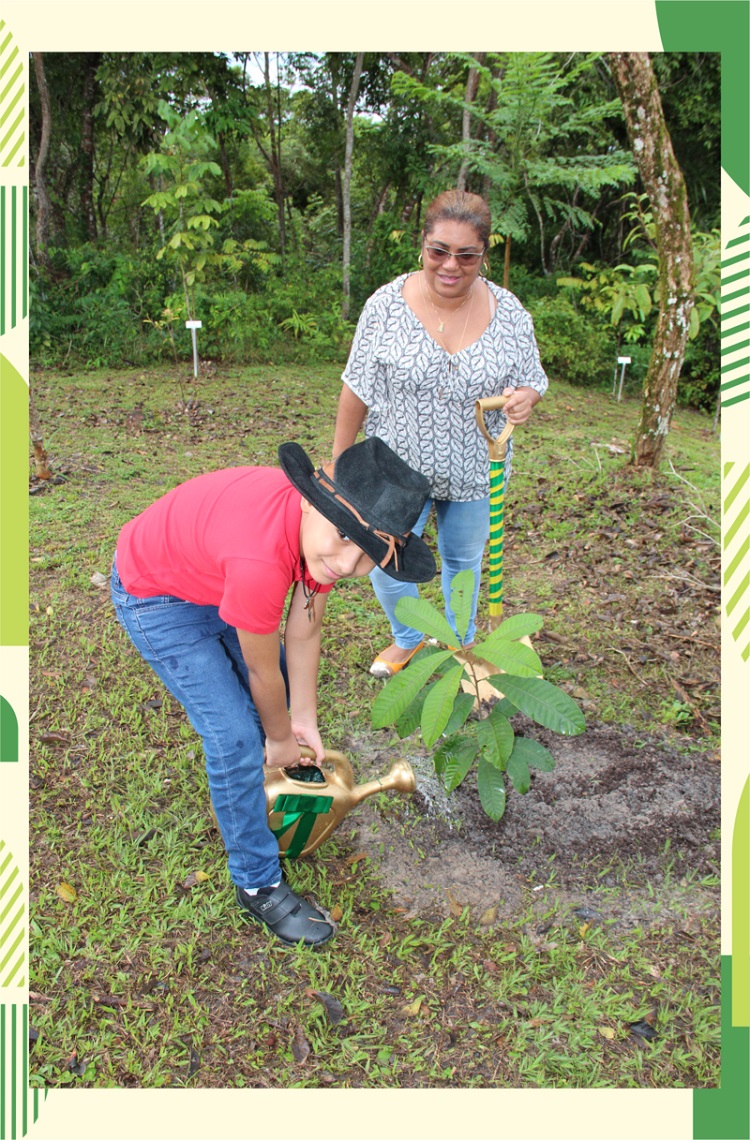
x,y
193,325
624,361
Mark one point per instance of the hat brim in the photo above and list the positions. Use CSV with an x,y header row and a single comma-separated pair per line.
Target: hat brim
x,y
416,562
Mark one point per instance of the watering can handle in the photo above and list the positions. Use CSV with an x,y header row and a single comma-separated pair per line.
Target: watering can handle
x,y
336,760
496,446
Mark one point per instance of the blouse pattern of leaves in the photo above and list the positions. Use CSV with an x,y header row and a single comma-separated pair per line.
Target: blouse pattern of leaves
x,y
421,400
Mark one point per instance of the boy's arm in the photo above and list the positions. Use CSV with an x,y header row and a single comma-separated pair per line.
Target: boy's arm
x,y
262,653
302,646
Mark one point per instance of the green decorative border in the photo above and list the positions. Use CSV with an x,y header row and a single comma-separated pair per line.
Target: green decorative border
x,y
685,25
724,25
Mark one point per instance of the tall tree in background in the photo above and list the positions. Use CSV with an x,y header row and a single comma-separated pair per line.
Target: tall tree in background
x,y
40,168
472,83
349,149
663,182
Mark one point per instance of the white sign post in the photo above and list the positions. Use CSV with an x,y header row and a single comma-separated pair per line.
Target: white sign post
x,y
193,325
624,361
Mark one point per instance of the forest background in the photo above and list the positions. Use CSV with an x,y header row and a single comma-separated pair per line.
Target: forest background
x,y
268,195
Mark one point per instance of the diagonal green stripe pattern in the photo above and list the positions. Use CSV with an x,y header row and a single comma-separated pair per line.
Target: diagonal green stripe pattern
x,y
12,111
736,541
735,346
12,922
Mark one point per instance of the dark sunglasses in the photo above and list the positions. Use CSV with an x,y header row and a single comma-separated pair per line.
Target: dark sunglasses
x,y
439,254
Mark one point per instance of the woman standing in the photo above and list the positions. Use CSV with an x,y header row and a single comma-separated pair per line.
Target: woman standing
x,y
427,346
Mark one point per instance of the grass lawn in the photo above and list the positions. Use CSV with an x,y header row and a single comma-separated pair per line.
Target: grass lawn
x,y
144,972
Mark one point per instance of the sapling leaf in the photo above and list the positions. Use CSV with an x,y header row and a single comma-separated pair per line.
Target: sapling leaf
x,y
491,789
518,771
422,615
534,753
462,706
457,754
543,702
520,625
395,698
495,736
506,707
438,705
462,591
408,722
513,657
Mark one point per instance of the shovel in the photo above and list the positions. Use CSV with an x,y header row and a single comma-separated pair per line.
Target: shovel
x,y
497,448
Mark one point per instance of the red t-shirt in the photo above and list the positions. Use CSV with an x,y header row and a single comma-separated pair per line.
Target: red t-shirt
x,y
228,539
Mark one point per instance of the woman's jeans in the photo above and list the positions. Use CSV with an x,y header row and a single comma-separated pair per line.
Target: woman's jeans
x,y
463,530
198,657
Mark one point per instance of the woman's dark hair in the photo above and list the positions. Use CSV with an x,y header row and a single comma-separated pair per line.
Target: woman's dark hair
x,y
458,206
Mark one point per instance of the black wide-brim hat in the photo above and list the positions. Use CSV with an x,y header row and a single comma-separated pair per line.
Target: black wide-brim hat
x,y
374,497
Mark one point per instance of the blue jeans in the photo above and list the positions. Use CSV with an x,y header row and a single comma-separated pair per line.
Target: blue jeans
x,y
198,657
463,530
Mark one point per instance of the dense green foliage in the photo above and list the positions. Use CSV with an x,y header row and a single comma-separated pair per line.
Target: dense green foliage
x,y
210,186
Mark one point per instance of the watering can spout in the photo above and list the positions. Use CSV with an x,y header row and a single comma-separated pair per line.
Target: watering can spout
x,y
401,778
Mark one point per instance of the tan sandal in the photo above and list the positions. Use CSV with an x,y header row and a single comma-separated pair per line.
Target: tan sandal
x,y
385,669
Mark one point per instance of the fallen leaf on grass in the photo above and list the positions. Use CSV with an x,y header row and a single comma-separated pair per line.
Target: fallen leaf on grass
x,y
193,878
607,1032
54,738
99,579
413,1009
489,916
332,1006
336,913
75,1066
300,1046
454,905
354,859
67,893
643,1029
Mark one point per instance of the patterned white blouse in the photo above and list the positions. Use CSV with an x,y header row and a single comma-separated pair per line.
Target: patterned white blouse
x,y
421,400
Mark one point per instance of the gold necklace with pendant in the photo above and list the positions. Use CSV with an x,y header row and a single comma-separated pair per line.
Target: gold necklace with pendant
x,y
441,320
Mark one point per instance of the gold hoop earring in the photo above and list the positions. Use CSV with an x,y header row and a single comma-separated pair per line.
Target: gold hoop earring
x,y
485,269
419,257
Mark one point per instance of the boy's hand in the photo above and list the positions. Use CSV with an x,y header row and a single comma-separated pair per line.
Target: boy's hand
x,y
283,753
310,736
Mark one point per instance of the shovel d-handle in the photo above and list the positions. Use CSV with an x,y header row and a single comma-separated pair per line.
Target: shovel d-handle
x,y
496,446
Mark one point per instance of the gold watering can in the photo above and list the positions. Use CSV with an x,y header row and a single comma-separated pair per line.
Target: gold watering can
x,y
307,803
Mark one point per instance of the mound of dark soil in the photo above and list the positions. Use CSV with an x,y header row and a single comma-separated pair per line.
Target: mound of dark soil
x,y
620,815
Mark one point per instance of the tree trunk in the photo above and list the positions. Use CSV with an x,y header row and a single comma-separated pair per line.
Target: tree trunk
x,y
41,464
663,182
87,145
353,92
275,157
40,184
472,83
506,265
